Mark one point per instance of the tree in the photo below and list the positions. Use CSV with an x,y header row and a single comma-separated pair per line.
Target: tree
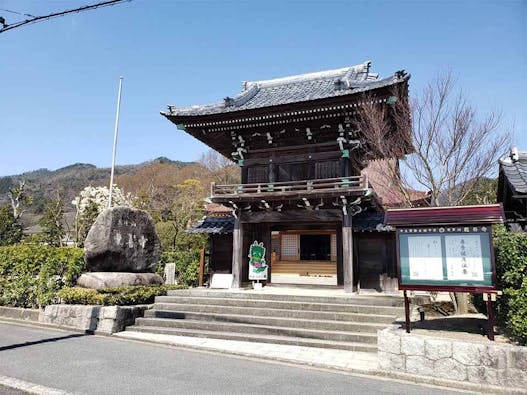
x,y
484,191
184,211
224,171
452,149
19,199
52,223
10,228
90,203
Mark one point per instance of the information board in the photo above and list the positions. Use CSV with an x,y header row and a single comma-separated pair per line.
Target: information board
x,y
445,258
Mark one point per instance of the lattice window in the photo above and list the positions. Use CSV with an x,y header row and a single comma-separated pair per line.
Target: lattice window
x,y
289,246
256,174
327,169
333,247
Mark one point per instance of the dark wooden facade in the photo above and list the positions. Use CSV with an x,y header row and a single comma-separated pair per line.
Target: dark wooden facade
x,y
301,161
512,189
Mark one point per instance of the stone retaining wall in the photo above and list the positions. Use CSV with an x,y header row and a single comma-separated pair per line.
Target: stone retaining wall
x,y
99,319
19,313
480,363
102,319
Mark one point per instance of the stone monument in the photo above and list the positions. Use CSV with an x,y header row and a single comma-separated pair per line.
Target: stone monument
x,y
122,248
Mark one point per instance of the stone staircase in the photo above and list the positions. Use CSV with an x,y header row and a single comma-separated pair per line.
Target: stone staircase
x,y
346,323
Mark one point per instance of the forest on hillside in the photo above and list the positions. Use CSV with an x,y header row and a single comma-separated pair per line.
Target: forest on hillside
x,y
171,191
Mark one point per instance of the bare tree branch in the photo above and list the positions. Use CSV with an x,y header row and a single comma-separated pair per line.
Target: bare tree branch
x,y
453,148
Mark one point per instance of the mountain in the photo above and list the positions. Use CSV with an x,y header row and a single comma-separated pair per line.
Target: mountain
x,y
67,182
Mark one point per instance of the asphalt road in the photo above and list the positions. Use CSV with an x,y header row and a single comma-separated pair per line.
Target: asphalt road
x,y
104,365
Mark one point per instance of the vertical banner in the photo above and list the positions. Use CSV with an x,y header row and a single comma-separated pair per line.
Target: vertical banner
x,y
257,265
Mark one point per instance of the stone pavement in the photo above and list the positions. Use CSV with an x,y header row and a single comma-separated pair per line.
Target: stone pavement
x,y
353,361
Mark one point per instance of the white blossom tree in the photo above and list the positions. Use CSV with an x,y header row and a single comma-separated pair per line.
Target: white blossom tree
x,y
91,202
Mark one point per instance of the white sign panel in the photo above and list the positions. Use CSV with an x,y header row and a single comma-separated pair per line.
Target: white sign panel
x,y
221,280
425,260
463,257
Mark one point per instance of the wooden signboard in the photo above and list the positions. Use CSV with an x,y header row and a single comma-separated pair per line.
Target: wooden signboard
x,y
446,249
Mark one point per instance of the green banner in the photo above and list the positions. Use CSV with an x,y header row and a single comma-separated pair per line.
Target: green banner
x,y
257,265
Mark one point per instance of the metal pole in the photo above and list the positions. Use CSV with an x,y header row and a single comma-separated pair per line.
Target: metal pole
x,y
407,312
115,140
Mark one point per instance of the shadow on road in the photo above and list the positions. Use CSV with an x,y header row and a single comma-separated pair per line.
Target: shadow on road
x,y
49,340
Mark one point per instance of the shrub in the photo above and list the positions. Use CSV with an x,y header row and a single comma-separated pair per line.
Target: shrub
x,y
122,296
511,268
31,275
187,265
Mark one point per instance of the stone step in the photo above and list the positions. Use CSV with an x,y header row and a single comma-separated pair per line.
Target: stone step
x,y
272,321
282,305
394,301
252,328
266,312
260,338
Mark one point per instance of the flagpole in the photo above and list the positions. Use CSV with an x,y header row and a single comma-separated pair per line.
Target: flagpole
x,y
115,140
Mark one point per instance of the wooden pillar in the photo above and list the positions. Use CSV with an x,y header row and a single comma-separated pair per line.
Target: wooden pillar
x,y
490,318
201,267
340,277
237,254
347,253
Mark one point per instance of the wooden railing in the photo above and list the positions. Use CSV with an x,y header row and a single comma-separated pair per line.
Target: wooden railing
x,y
325,185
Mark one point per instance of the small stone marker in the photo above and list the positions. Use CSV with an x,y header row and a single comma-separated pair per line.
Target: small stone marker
x,y
170,273
221,281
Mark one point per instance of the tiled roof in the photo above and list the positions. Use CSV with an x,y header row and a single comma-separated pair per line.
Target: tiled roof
x,y
367,221
294,89
217,210
515,171
385,188
454,215
370,221
214,225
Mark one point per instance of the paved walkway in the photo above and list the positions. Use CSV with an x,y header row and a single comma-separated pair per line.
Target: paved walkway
x,y
353,361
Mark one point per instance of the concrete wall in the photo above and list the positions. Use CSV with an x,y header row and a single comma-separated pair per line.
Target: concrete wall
x,y
481,363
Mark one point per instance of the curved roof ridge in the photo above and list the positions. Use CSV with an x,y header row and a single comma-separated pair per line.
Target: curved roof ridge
x,y
319,75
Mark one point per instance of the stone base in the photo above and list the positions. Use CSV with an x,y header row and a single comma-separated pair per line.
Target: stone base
x,y
101,280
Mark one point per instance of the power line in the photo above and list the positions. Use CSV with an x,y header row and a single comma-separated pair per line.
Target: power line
x,y
36,19
18,13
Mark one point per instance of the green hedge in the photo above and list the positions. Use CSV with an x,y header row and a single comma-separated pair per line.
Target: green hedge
x,y
122,296
511,268
31,275
187,265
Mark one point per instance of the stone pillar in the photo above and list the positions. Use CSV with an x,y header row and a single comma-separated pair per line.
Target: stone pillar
x,y
237,254
347,253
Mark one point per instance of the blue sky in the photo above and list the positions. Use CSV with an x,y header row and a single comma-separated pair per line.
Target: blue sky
x,y
59,78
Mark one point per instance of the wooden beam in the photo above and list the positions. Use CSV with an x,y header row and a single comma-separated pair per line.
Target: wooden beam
x,y
293,158
330,215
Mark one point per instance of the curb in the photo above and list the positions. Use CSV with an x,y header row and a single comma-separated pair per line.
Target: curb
x,y
36,324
